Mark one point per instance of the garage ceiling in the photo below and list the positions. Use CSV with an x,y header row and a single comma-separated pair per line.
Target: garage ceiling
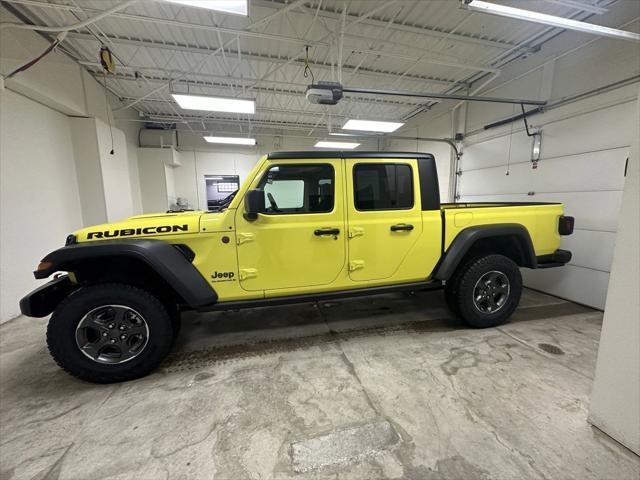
x,y
416,45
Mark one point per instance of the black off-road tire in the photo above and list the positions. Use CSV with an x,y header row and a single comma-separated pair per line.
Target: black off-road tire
x,y
450,289
471,278
176,324
63,346
176,318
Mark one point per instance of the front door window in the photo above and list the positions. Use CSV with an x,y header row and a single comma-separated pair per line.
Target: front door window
x,y
292,189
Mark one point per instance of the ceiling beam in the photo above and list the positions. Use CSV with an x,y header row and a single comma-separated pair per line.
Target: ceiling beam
x,y
299,41
96,70
277,13
584,7
419,29
226,121
171,23
211,28
263,58
397,26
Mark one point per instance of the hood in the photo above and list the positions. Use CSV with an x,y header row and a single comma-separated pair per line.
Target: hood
x,y
146,226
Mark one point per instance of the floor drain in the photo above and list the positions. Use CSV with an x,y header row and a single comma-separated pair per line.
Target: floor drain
x,y
552,349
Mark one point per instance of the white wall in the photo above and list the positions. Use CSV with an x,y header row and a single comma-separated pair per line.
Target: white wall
x,y
186,180
582,166
221,163
89,174
39,199
584,148
103,177
130,131
58,82
189,178
114,165
157,186
615,401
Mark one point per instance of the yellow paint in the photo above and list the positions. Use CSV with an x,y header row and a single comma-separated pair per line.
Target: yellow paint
x,y
462,219
279,255
386,254
285,250
540,220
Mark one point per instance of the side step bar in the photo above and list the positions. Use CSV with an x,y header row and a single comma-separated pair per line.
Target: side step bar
x,y
317,297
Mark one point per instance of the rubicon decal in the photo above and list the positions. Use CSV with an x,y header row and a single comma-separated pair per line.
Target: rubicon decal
x,y
130,232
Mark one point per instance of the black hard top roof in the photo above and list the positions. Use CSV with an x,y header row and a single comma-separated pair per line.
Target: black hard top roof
x,y
344,154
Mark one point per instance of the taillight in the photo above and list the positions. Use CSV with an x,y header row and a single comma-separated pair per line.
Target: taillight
x,y
565,225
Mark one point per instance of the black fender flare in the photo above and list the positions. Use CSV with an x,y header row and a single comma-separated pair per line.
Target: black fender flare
x,y
165,259
467,237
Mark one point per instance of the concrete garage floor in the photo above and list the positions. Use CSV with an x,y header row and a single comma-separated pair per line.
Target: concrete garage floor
x,y
383,387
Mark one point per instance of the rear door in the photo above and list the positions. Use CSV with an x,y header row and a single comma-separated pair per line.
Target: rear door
x,y
384,217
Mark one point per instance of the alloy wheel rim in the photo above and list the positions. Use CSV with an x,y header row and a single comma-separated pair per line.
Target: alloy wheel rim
x,y
112,334
491,292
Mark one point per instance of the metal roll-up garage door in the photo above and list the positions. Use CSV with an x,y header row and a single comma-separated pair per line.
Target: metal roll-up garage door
x,y
583,166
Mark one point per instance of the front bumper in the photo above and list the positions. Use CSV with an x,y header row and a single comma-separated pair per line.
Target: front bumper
x,y
42,301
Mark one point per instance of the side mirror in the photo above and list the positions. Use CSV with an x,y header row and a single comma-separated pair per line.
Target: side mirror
x,y
253,204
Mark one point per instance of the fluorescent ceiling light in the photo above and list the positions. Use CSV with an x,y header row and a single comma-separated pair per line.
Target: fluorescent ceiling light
x,y
231,140
214,104
238,7
345,145
371,126
336,134
551,20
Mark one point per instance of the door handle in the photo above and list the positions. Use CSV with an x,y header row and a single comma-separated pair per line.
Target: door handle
x,y
244,237
401,227
356,232
246,273
326,231
355,265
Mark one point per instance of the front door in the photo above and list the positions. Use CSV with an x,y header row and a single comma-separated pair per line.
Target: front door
x,y
384,218
298,241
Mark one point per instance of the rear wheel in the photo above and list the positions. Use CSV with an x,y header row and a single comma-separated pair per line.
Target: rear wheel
x,y
485,290
450,289
110,333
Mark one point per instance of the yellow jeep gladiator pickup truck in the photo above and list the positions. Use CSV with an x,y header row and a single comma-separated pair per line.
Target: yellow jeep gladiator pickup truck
x,y
305,226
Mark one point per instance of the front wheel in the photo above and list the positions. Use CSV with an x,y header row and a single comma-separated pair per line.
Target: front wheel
x,y
486,290
110,333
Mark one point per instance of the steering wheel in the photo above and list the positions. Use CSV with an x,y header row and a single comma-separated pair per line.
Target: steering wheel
x,y
272,202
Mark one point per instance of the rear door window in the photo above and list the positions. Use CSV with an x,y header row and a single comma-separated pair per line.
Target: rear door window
x,y
383,186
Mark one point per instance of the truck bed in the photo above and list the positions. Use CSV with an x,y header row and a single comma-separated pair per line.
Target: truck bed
x,y
539,218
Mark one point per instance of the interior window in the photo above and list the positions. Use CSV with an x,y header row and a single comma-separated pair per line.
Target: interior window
x,y
298,189
383,186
